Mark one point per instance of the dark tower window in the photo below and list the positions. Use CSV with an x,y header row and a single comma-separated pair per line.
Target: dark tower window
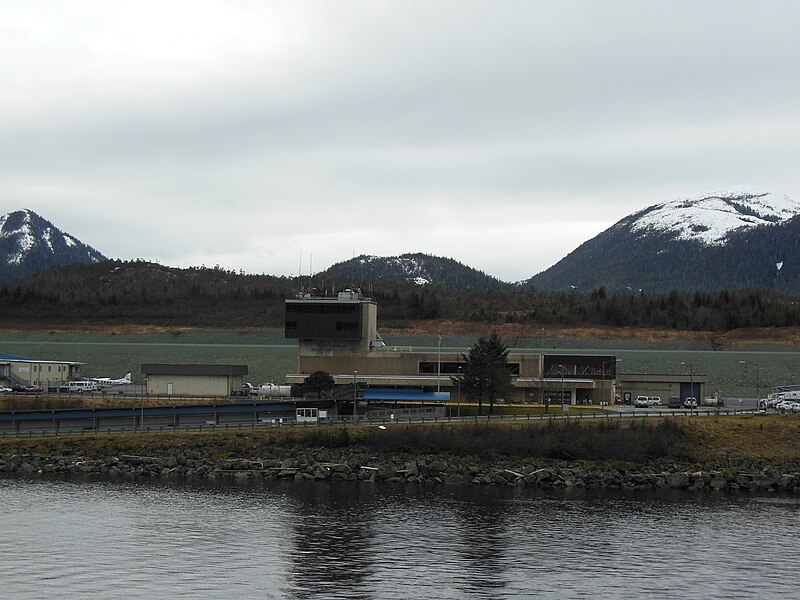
x,y
323,320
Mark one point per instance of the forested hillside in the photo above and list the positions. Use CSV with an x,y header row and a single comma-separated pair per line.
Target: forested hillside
x,y
117,292
29,243
415,268
766,258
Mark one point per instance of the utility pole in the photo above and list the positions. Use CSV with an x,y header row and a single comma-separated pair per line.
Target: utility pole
x,y
355,396
439,364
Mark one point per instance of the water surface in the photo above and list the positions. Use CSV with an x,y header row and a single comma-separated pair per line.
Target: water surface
x,y
311,540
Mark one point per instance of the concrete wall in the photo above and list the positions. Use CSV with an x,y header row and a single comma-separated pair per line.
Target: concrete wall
x,y
328,343
664,386
396,366
193,385
397,362
45,374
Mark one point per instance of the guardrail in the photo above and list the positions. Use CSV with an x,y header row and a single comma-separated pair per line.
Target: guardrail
x,y
267,423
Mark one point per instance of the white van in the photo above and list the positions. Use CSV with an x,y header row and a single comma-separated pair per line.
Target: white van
x,y
78,386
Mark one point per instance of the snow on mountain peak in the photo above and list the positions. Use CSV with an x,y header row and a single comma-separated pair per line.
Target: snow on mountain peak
x,y
709,218
18,226
28,242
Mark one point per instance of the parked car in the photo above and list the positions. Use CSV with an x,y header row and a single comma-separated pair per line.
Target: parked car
x,y
641,402
690,402
654,400
674,402
779,401
78,386
5,390
26,389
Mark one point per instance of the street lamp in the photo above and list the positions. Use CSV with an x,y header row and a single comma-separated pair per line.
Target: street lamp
x,y
355,394
691,382
613,361
439,364
758,381
459,391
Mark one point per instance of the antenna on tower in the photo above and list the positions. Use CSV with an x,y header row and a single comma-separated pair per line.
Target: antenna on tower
x,y
300,270
300,265
310,270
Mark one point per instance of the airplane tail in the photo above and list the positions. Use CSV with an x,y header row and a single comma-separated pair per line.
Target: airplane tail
x,y
127,377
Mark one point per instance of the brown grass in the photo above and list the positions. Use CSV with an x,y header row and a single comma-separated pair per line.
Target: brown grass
x,y
509,331
758,438
735,442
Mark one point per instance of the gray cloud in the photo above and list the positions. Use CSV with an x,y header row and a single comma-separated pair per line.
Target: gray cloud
x,y
501,134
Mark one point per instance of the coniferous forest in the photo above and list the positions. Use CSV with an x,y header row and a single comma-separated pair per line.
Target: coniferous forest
x,y
138,292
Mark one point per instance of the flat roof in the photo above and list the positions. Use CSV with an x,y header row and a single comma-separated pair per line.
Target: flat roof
x,y
193,369
656,377
9,358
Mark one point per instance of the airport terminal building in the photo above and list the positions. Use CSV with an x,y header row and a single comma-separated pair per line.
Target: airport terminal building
x,y
339,335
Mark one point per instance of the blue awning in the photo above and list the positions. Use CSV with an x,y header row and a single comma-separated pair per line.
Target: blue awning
x,y
409,395
12,358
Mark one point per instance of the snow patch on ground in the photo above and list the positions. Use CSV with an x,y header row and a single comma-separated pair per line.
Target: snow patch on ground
x,y
410,268
48,238
24,238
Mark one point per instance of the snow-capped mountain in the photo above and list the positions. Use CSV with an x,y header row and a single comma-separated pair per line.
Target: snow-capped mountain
x,y
416,268
729,239
710,218
29,243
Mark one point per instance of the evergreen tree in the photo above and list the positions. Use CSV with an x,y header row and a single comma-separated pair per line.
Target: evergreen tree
x,y
486,375
318,381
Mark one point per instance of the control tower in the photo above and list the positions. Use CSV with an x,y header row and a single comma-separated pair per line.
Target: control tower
x,y
344,325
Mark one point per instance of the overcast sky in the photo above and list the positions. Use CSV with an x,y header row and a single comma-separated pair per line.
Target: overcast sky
x,y
502,134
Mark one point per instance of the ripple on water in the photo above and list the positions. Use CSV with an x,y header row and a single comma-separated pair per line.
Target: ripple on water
x,y
153,540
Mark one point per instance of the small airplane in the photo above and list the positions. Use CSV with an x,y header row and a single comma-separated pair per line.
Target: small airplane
x,y
104,382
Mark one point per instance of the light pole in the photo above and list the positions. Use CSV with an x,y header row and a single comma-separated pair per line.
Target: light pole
x,y
459,392
439,364
613,361
691,383
758,381
355,395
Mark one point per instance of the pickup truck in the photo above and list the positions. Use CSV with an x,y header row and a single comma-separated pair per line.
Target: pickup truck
x,y
711,401
248,390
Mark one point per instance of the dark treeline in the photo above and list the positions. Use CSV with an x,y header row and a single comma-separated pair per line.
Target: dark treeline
x,y
137,292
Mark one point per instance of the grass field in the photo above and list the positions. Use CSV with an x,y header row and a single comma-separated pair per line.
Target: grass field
x,y
270,357
716,443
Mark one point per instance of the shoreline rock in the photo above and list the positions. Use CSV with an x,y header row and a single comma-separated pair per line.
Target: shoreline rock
x,y
353,464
